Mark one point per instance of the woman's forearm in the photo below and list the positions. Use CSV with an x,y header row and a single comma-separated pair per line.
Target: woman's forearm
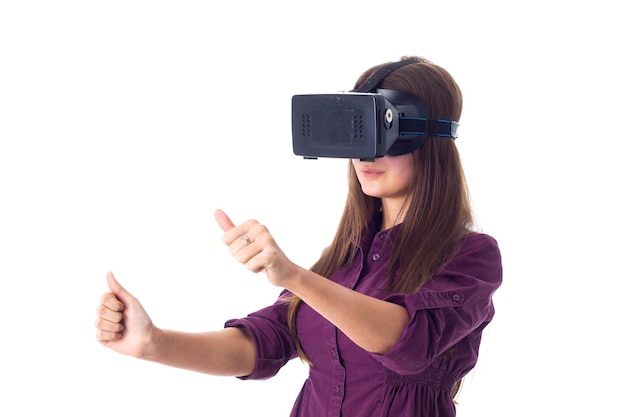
x,y
373,324
227,352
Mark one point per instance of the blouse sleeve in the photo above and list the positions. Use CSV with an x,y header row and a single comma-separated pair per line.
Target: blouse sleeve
x,y
270,332
454,304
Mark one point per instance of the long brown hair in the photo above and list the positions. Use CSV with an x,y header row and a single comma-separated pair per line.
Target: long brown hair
x,y
438,213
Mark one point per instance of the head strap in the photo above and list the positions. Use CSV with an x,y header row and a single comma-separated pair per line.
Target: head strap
x,y
375,80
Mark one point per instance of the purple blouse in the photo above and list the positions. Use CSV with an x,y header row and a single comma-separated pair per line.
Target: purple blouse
x,y
438,346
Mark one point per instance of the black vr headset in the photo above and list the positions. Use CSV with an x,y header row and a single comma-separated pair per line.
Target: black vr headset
x,y
365,123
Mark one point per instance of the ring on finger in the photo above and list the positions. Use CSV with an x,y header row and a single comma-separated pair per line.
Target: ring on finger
x,y
246,238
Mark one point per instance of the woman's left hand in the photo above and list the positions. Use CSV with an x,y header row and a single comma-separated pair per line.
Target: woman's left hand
x,y
253,245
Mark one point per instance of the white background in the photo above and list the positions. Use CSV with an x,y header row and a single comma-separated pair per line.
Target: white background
x,y
125,124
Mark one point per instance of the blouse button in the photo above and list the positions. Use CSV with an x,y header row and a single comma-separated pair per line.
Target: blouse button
x,y
333,352
456,297
383,235
375,257
337,389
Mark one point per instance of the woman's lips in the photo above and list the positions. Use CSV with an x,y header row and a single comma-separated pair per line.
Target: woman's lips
x,y
371,174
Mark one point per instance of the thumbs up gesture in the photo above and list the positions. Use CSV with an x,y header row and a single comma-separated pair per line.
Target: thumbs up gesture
x,y
122,324
252,244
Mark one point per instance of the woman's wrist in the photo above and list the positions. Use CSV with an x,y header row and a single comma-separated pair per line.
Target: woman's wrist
x,y
299,281
153,345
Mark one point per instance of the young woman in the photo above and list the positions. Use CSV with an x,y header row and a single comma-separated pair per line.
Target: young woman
x,y
389,318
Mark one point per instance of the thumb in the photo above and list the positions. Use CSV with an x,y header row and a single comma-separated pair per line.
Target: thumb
x,y
116,288
223,220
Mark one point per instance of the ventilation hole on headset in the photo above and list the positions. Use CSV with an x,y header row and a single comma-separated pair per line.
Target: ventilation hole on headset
x,y
357,126
306,125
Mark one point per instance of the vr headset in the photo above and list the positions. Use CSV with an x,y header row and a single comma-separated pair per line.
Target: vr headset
x,y
365,123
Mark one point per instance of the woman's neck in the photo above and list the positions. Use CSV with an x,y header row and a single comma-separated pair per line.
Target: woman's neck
x,y
393,213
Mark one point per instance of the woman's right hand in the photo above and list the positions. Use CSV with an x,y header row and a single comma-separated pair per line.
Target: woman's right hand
x,y
122,324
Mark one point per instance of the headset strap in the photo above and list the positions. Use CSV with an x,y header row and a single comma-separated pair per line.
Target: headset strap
x,y
375,80
410,126
422,126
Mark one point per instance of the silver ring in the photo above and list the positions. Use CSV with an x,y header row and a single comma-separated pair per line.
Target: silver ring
x,y
246,238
